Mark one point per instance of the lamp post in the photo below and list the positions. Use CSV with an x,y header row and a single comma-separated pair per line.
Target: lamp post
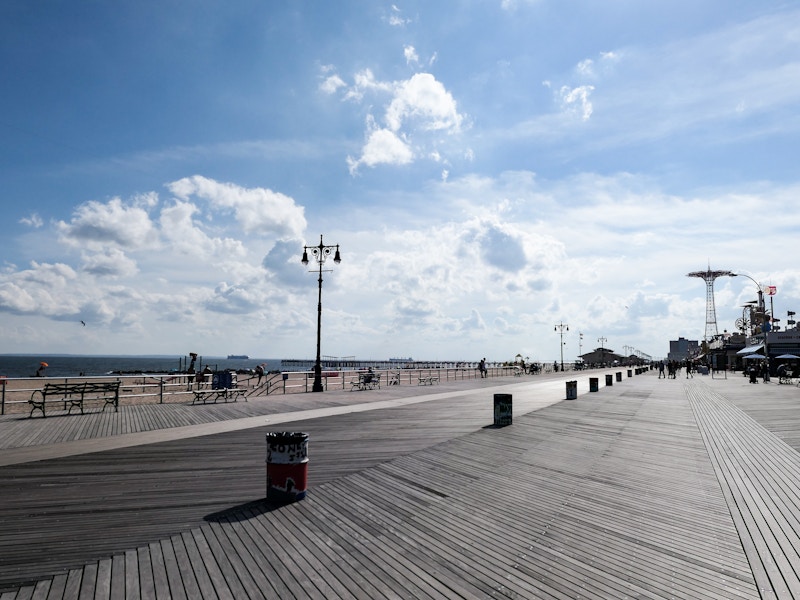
x,y
602,341
561,328
320,254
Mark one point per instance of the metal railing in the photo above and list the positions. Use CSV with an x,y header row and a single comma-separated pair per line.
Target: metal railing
x,y
174,388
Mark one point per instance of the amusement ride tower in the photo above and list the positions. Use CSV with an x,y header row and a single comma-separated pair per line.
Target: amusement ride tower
x,y
711,312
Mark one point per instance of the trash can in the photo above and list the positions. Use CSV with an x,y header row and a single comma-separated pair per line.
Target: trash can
x,y
609,379
222,380
287,466
502,410
594,384
619,375
630,372
572,390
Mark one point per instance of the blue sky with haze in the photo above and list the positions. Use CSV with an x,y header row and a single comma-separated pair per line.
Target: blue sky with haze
x,y
489,169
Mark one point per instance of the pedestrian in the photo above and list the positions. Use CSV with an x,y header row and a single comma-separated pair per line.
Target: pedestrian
x,y
482,367
661,374
259,373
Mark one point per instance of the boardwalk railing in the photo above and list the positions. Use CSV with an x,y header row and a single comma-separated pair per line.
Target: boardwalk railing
x,y
179,387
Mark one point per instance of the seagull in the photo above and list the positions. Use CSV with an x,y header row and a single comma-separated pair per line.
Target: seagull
x,y
82,323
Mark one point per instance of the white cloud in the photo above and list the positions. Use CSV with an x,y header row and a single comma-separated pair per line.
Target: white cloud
x,y
95,225
112,263
258,210
331,84
395,17
383,147
34,221
425,100
419,107
576,100
411,55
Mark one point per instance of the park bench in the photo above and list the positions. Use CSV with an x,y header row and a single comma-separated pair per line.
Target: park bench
x,y
366,381
75,394
224,388
428,379
231,394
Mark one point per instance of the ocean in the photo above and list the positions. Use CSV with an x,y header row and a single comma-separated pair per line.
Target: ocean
x,y
26,365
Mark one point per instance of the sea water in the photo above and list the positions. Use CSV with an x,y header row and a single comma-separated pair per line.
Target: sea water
x,y
26,365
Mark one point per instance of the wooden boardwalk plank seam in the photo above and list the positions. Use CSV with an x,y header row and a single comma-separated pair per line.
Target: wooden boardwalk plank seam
x,y
622,494
759,474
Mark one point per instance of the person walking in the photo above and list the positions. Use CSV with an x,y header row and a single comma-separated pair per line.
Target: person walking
x,y
482,367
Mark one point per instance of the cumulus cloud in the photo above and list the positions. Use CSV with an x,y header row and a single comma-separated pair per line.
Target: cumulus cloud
x,y
95,225
112,263
257,210
383,147
234,299
425,99
332,83
40,289
417,108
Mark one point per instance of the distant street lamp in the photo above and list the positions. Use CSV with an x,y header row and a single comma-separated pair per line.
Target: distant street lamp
x,y
561,328
602,341
320,254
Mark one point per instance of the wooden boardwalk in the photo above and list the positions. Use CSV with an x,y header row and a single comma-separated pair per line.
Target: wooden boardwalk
x,y
647,489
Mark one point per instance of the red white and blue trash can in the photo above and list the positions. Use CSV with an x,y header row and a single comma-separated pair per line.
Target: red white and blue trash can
x,y
287,466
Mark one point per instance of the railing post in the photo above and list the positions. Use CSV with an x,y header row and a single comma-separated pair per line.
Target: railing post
x,y
3,401
161,390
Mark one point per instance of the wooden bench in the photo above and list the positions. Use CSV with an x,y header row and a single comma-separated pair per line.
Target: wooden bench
x,y
366,381
75,394
231,394
428,379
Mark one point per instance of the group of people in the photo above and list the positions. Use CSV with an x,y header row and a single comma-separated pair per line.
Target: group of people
x,y
755,369
673,369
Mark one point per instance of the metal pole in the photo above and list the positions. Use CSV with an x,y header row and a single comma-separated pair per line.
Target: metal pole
x,y
317,387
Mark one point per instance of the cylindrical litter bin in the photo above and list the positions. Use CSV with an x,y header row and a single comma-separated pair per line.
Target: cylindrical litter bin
x,y
609,379
630,372
572,390
287,466
619,375
594,384
502,410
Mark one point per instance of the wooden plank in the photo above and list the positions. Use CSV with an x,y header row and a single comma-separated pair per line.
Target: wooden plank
x,y
103,584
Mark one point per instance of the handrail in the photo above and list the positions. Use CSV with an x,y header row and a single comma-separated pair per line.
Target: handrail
x,y
178,387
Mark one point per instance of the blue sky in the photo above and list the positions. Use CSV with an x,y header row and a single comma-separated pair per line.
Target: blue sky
x,y
489,169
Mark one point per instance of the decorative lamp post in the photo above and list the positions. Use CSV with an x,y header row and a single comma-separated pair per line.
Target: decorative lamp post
x,y
320,254
561,328
602,341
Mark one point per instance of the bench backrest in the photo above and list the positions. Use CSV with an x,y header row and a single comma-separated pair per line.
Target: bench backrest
x,y
91,387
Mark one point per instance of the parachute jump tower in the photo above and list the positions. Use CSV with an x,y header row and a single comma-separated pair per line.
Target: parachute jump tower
x,y
711,313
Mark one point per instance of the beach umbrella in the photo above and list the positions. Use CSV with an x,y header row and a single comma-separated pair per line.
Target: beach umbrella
x,y
44,364
754,356
788,356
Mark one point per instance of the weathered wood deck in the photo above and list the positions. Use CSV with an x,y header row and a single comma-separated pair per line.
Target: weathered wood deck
x,y
650,488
